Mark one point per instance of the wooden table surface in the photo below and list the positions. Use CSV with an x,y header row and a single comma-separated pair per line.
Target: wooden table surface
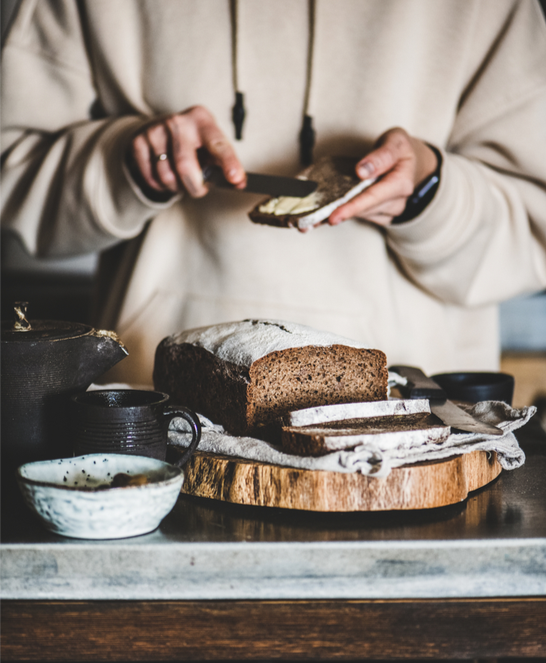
x,y
511,509
267,630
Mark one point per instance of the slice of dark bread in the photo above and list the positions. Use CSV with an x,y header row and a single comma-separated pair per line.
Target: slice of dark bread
x,y
342,411
387,431
337,183
245,375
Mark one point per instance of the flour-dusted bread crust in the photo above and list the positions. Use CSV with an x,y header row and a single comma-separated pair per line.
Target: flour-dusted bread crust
x,y
245,375
337,184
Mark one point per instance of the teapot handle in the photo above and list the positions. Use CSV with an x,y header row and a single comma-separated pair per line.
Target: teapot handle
x,y
174,411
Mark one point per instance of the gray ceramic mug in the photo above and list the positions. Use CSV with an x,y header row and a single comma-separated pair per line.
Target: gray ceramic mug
x,y
128,421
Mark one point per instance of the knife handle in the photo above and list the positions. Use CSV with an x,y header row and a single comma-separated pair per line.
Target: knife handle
x,y
214,175
419,385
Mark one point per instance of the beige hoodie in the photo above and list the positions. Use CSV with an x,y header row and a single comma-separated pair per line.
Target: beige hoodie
x,y
468,77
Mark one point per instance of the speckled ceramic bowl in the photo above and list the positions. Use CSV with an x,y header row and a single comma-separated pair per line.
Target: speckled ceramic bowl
x,y
74,496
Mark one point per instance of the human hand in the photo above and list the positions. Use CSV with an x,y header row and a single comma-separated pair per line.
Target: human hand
x,y
401,162
162,156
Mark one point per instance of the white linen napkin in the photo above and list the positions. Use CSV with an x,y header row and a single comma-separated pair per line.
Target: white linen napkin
x,y
373,458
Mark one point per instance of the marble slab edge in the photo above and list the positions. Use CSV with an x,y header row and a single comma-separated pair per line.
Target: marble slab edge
x,y
265,570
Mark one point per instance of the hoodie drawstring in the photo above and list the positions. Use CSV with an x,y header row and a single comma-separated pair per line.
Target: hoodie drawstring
x,y
238,112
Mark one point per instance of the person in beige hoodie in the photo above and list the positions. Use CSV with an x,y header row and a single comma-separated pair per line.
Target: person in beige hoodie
x,y
105,104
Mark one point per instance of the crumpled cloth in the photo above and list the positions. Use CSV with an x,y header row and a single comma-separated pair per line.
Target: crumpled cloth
x,y
373,458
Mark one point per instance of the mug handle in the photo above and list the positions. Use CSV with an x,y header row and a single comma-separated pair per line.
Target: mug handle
x,y
172,412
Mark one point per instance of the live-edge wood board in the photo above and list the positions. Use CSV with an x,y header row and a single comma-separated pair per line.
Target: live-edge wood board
x,y
423,485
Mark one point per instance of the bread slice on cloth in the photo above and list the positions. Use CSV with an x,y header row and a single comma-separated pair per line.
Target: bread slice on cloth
x,y
342,411
245,375
384,432
337,184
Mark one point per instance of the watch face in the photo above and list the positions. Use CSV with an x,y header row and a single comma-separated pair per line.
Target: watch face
x,y
431,183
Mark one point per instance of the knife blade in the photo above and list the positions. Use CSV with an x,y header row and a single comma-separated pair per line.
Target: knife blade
x,y
421,386
269,185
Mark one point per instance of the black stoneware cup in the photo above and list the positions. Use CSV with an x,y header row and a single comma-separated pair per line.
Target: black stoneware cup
x,y
474,387
128,421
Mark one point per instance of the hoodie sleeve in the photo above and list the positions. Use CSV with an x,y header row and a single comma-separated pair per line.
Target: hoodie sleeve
x,y
65,190
483,237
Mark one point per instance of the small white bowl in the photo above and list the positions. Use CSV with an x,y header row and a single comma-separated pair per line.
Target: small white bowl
x,y
73,496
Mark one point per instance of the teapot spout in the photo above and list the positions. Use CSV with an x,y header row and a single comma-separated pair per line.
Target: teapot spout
x,y
104,350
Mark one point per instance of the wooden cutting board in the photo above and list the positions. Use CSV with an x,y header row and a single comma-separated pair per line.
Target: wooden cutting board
x,y
417,486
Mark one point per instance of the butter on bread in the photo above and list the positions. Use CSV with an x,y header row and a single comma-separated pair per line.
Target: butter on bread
x,y
337,184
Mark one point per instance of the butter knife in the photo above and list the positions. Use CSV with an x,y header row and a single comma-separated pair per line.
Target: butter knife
x,y
421,386
268,185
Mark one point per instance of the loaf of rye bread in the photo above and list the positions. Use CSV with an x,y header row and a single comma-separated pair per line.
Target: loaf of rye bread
x,y
337,183
245,375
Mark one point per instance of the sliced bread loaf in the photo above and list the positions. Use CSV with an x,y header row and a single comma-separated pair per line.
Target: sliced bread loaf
x,y
337,183
244,375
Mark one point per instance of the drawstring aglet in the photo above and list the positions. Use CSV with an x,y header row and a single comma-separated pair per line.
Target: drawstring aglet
x,y
307,141
238,115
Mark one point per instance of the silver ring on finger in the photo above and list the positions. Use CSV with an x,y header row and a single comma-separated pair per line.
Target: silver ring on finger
x,y
161,157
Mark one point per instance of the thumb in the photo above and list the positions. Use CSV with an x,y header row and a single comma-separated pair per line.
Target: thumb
x,y
376,163
389,149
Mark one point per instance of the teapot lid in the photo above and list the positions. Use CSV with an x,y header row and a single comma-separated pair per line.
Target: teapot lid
x,y
21,329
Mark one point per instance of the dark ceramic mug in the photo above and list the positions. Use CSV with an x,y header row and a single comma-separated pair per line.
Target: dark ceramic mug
x,y
128,421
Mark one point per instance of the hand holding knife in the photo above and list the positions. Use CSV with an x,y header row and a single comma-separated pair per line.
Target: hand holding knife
x,y
421,386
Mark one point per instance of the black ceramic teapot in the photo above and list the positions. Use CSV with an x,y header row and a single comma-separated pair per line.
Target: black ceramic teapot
x,y
43,363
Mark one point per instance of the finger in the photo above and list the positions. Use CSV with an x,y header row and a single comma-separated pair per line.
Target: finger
x,y
142,155
184,142
166,152
224,156
393,189
161,157
391,147
392,208
380,219
189,132
392,160
379,161
385,214
397,146
195,129
221,150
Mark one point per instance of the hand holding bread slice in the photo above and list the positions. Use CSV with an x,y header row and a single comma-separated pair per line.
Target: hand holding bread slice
x,y
398,162
337,184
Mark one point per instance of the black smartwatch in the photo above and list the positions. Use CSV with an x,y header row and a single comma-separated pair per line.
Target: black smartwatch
x,y
423,193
